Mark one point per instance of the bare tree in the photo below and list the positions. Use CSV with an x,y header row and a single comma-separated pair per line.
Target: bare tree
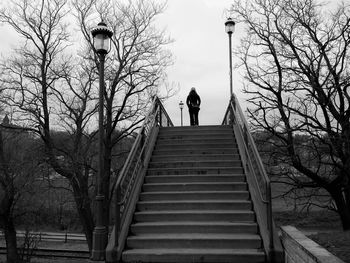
x,y
135,67
48,89
296,61
18,167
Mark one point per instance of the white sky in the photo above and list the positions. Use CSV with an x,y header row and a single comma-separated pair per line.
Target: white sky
x,y
201,57
200,51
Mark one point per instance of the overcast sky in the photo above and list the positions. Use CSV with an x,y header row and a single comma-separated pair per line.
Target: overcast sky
x,y
201,57
200,51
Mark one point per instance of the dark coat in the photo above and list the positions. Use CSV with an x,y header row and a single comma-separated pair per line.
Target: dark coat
x,y
193,100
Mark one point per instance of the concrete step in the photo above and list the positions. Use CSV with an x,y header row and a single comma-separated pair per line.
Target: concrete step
x,y
186,255
194,241
189,129
194,205
196,141
194,178
199,136
195,135
196,157
191,163
195,170
194,195
193,151
197,186
198,215
198,146
193,227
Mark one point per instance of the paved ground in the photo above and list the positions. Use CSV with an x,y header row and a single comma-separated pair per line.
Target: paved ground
x,y
47,260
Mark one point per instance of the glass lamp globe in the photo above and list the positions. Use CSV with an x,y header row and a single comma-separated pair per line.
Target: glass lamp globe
x,y
102,38
230,26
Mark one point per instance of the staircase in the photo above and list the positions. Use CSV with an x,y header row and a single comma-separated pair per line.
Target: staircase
x,y
194,205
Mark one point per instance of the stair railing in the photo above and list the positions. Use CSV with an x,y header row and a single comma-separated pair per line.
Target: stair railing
x,y
129,182
257,178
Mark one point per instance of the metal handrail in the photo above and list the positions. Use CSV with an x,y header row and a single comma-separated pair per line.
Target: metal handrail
x,y
132,173
255,152
234,115
149,118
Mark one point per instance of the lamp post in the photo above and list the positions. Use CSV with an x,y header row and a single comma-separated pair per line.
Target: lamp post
x,y
230,28
101,40
181,105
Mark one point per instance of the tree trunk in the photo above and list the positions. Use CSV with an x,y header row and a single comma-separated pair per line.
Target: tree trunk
x,y
11,241
342,207
82,202
6,208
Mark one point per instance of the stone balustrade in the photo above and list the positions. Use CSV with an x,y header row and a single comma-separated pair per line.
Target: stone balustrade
x,y
300,249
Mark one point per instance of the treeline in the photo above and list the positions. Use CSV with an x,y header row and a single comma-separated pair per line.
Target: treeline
x,y
49,87
44,200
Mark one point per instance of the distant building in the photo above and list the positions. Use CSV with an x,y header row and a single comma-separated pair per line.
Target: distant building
x,y
8,127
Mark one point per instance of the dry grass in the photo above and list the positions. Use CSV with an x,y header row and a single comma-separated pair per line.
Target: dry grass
x,y
318,220
338,243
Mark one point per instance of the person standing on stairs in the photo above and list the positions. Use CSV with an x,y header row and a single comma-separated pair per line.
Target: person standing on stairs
x,y
193,102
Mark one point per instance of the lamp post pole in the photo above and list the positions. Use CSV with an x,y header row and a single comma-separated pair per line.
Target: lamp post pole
x,y
230,51
181,105
230,28
101,36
